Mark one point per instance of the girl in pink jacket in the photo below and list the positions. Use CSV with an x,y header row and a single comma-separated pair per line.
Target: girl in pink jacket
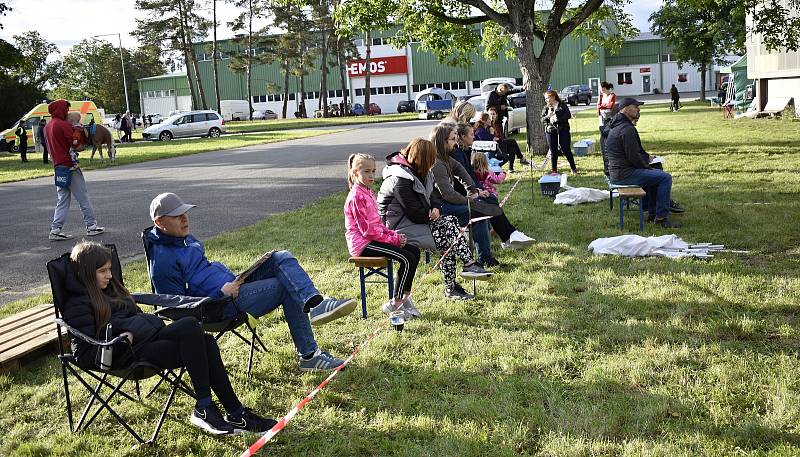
x,y
368,237
487,177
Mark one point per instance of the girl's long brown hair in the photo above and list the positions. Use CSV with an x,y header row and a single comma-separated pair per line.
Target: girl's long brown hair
x,y
421,155
439,136
86,258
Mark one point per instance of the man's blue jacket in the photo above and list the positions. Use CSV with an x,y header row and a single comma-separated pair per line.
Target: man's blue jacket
x,y
178,266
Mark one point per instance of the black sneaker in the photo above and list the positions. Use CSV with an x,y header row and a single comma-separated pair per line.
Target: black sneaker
x,y
458,293
250,422
674,207
210,420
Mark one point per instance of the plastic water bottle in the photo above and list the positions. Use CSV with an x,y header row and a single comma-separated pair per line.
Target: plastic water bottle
x,y
107,352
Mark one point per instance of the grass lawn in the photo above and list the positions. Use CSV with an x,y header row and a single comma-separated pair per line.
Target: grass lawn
x,y
286,124
563,353
11,169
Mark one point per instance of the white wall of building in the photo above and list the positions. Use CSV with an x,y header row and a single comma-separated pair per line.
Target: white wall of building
x,y
661,76
163,105
785,87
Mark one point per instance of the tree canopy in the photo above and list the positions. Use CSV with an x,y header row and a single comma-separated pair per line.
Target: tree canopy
x,y
529,29
92,70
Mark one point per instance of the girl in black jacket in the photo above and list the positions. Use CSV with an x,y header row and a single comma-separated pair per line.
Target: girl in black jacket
x,y
555,118
404,205
96,299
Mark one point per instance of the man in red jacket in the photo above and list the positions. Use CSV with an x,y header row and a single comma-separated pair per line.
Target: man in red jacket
x,y
69,177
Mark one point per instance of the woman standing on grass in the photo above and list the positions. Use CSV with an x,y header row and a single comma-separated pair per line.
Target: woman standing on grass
x,y
404,205
605,106
96,299
555,117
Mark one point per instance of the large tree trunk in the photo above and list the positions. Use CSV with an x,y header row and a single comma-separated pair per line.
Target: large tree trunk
x,y
250,63
368,43
214,53
302,94
323,80
535,75
186,61
703,70
285,86
192,55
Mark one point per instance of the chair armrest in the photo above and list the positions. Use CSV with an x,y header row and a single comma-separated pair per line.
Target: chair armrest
x,y
87,338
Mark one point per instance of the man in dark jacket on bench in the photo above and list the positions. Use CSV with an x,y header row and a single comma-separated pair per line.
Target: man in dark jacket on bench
x,y
628,163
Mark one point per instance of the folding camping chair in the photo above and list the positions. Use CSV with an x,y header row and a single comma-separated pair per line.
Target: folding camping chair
x,y
217,327
57,269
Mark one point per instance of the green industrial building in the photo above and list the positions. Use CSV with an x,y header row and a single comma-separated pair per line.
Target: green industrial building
x,y
644,65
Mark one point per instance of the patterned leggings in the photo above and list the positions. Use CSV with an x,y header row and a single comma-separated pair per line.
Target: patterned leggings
x,y
444,231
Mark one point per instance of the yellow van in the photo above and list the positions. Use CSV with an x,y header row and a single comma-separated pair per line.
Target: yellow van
x,y
8,141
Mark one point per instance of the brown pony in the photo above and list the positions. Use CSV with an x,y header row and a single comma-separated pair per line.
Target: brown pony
x,y
102,136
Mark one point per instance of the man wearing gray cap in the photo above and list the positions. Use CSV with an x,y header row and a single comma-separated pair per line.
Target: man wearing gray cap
x,y
628,163
178,265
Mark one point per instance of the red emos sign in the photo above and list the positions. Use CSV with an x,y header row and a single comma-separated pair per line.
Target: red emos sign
x,y
378,66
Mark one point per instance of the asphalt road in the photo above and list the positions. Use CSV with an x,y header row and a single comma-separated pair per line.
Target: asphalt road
x,y
232,188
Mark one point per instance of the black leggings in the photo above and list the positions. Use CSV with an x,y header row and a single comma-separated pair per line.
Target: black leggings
x,y
183,343
511,149
407,257
560,142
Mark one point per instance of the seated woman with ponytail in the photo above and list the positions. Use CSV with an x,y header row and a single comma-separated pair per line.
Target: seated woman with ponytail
x,y
97,299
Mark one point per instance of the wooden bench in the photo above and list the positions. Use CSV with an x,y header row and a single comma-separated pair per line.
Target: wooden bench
x,y
369,266
625,195
25,333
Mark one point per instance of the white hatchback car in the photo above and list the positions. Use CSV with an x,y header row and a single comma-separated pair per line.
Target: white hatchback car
x,y
192,123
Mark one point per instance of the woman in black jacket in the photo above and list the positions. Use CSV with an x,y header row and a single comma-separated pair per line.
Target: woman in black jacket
x,y
404,205
96,299
555,118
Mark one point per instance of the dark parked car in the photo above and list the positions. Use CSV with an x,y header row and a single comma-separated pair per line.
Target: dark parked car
x,y
576,94
518,100
405,106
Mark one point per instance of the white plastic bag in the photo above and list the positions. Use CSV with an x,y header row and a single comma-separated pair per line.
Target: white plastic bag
x,y
576,195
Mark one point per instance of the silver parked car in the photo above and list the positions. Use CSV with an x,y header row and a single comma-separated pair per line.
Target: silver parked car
x,y
192,123
264,115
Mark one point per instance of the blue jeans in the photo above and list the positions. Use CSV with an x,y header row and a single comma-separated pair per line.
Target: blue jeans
x,y
77,189
280,281
480,230
657,184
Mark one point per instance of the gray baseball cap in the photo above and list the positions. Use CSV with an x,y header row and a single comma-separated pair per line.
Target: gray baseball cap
x,y
168,204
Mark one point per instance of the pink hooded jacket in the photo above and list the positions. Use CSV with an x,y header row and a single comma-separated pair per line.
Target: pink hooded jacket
x,y
489,179
362,222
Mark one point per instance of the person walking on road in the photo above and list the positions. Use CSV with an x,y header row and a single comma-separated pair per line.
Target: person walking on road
x,y
68,175
22,140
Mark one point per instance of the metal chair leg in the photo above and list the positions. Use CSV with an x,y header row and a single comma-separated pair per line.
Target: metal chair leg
x,y
621,214
362,281
641,215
